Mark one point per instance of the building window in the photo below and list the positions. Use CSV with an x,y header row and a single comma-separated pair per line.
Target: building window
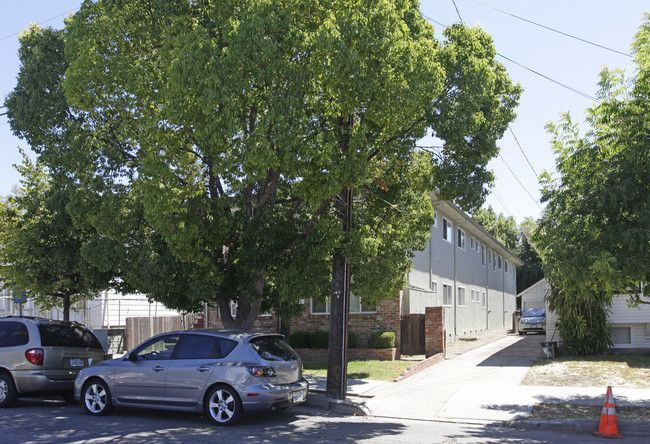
x,y
489,256
447,297
482,254
500,262
434,287
461,296
356,306
483,300
471,242
621,335
506,265
446,230
461,239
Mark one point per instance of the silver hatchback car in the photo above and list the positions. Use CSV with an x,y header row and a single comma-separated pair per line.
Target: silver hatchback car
x,y
220,372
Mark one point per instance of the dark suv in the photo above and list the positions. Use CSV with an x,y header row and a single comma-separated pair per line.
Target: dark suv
x,y
42,356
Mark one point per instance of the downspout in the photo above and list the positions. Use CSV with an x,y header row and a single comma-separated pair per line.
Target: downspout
x,y
454,238
503,289
487,289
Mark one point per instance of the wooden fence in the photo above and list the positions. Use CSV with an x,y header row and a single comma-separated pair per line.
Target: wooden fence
x,y
139,329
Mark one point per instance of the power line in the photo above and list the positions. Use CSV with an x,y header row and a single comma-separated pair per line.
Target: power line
x,y
502,202
517,179
580,93
522,151
40,23
554,30
457,12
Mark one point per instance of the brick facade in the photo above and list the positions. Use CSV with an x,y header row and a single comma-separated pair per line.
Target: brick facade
x,y
387,318
434,331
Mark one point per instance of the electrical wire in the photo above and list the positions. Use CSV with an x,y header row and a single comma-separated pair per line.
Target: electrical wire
x,y
457,12
580,93
522,151
40,23
573,90
517,179
554,30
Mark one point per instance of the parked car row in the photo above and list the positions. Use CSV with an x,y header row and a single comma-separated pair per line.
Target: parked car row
x,y
222,373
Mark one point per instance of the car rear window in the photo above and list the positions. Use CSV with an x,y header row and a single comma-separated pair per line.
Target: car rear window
x,y
13,334
273,348
204,347
61,335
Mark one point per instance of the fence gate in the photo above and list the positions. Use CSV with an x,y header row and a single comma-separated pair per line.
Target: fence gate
x,y
412,335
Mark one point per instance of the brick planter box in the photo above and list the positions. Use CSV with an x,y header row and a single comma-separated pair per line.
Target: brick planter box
x,y
320,354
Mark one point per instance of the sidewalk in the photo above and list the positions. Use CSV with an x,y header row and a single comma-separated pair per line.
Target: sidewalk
x,y
479,383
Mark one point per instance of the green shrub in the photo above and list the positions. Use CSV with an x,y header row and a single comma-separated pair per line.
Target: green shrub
x,y
382,339
299,339
319,339
352,340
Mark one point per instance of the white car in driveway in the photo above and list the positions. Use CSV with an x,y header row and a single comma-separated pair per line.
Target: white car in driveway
x,y
220,372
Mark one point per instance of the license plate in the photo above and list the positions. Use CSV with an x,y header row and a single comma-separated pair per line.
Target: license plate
x,y
298,396
75,362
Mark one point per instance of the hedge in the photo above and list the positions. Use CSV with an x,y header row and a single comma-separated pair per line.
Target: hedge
x,y
382,339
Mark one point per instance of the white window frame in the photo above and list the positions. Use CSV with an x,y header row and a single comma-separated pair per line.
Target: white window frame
x,y
472,242
447,230
328,308
447,295
461,297
434,287
460,238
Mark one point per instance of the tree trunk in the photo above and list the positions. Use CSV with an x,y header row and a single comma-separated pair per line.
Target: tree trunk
x,y
339,309
66,307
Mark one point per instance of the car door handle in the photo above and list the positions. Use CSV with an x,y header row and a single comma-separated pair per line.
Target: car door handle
x,y
158,368
203,368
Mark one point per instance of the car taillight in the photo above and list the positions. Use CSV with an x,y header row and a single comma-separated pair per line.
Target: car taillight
x,y
35,356
261,371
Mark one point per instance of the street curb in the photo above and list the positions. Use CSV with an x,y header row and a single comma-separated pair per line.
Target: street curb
x,y
626,428
338,406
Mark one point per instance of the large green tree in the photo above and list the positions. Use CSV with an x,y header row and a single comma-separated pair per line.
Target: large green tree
x,y
42,250
595,233
234,140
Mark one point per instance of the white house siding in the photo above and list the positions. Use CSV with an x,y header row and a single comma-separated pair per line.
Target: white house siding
x,y
445,263
534,296
110,309
630,325
636,319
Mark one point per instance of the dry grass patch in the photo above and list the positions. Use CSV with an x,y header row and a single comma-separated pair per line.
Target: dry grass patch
x,y
546,412
627,371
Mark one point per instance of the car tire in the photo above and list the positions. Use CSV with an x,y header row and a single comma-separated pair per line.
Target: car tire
x,y
8,393
96,398
223,405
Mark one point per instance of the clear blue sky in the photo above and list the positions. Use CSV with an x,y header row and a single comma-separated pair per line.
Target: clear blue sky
x,y
565,60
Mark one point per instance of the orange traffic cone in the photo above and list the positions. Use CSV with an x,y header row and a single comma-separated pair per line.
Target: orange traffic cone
x,y
608,427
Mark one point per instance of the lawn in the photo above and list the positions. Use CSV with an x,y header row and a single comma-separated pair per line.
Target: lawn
x,y
630,371
376,370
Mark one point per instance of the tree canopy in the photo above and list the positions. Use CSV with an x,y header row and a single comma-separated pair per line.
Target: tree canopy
x,y
42,251
594,236
213,141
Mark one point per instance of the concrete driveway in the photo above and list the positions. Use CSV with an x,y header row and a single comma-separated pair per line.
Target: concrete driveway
x,y
480,384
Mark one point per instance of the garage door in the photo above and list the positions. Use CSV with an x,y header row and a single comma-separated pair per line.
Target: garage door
x,y
533,304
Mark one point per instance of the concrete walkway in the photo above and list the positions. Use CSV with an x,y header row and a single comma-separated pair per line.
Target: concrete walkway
x,y
479,385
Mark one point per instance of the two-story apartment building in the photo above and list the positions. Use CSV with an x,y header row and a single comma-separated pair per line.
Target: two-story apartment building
x,y
463,269
467,271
